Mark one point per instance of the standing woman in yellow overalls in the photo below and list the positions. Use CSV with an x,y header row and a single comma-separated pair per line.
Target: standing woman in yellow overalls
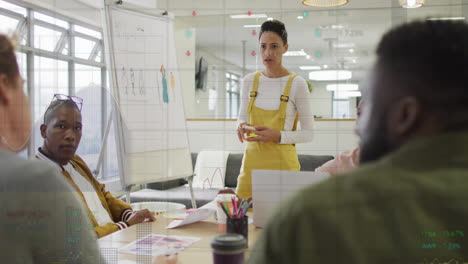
x,y
273,101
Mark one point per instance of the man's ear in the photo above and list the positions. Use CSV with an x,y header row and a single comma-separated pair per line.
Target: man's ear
x,y
4,93
404,118
285,48
43,130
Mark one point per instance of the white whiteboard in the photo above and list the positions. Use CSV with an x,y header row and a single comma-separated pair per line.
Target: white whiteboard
x,y
149,97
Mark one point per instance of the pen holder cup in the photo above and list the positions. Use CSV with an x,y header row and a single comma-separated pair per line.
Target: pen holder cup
x,y
238,226
221,217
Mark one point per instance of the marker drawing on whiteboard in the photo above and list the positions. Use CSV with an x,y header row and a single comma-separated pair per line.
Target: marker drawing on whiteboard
x,y
164,84
124,79
159,89
141,83
173,85
132,80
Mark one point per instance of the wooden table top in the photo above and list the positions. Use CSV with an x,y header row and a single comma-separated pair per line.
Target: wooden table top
x,y
199,252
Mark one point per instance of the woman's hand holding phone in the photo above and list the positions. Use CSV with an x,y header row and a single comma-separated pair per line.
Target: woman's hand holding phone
x,y
245,131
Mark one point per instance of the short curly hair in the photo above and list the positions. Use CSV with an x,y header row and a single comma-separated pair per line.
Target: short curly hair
x,y
55,106
275,26
431,60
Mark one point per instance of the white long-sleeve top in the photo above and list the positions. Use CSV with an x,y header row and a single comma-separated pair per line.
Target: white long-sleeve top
x,y
268,98
90,195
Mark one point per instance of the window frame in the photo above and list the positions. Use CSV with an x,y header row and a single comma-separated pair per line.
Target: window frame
x,y
26,25
232,77
22,20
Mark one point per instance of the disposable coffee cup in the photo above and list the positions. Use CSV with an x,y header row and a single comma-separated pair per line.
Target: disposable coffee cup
x,y
228,249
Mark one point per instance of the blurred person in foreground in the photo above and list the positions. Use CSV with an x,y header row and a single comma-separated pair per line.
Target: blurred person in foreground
x,y
41,217
43,221
406,203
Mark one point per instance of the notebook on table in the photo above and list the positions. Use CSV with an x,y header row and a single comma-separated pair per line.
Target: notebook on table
x,y
270,187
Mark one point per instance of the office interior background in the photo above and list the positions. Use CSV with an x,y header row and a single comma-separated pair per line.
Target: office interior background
x,y
62,50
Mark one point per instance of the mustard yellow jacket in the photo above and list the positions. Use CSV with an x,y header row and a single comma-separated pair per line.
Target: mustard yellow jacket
x,y
115,207
119,211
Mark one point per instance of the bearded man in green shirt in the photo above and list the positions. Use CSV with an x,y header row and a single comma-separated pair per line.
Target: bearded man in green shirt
x,y
408,202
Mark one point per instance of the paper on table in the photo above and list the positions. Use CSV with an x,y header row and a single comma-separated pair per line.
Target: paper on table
x,y
126,261
211,205
155,245
198,215
176,215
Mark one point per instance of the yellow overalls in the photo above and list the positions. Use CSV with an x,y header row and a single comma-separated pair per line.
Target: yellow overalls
x,y
271,155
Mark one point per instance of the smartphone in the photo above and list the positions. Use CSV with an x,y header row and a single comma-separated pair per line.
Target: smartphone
x,y
252,134
249,128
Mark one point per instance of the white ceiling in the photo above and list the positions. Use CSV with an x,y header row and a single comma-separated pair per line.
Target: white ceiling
x,y
218,7
360,22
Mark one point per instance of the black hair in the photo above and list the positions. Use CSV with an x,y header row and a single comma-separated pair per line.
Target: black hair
x,y
430,59
56,105
275,26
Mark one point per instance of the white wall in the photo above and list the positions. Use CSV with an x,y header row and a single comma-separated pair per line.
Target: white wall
x,y
321,101
330,137
197,101
322,104
186,63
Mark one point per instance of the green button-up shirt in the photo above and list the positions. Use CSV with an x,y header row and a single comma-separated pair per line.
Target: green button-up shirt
x,y
409,207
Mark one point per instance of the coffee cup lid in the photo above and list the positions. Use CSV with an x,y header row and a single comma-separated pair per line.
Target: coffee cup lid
x,y
229,242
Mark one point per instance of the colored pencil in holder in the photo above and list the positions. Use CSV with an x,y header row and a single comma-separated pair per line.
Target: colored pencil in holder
x,y
225,209
234,207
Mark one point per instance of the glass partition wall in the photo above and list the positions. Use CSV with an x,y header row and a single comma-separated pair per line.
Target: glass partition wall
x,y
332,48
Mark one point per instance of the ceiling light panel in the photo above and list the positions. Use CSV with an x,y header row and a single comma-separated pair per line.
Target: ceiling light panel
x,y
243,16
330,75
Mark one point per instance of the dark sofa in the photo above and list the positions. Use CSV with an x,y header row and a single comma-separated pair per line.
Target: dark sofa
x,y
177,191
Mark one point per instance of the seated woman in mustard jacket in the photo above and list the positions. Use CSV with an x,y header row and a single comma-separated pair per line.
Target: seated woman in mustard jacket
x,y
62,133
